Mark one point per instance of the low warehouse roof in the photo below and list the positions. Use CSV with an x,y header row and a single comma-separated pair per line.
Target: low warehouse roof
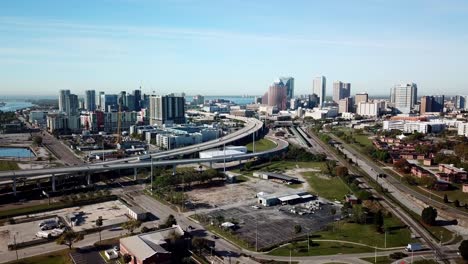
x,y
289,198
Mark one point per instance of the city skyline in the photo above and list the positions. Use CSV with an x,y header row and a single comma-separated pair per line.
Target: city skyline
x,y
174,46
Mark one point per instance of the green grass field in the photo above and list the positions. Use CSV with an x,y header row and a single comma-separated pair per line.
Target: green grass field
x,y
6,165
58,257
261,145
319,248
399,235
332,188
380,260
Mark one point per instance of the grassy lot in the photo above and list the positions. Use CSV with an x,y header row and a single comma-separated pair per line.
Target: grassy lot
x,y
398,236
319,248
58,257
332,188
261,145
380,260
286,165
6,165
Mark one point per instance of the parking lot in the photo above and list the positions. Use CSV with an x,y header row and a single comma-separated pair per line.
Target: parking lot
x,y
273,225
112,212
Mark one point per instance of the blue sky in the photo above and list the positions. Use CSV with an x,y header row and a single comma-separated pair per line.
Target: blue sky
x,y
234,47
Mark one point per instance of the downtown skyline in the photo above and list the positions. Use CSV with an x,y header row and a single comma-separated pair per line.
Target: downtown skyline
x,y
219,48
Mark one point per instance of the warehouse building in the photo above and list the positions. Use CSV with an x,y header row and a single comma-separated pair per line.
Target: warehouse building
x,y
276,177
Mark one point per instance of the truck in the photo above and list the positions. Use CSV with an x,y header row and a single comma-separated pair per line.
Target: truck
x,y
412,247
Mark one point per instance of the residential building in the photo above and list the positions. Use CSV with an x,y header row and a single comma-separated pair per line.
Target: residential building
x,y
90,100
463,129
108,121
137,104
99,100
38,117
368,109
341,90
109,102
167,109
198,99
63,94
404,97
71,104
461,102
319,88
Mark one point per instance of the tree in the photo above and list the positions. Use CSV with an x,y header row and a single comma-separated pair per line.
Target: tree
x,y
297,229
131,225
359,214
456,203
429,215
446,198
402,165
379,220
341,171
330,164
126,258
463,249
99,223
37,140
170,221
68,238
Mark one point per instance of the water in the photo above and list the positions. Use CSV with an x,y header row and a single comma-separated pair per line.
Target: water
x,y
12,106
16,152
240,100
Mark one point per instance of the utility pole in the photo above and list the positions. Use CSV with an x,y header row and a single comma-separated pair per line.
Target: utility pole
x,y
385,238
256,234
151,175
253,142
375,255
16,248
224,155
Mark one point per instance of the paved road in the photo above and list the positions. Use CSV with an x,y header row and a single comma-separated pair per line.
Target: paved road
x,y
62,152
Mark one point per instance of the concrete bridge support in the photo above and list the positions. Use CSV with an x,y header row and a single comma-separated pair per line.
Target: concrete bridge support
x,y
53,182
135,172
88,179
14,186
174,167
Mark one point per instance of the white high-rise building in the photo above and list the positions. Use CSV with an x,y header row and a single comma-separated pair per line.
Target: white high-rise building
x,y
404,97
90,100
319,88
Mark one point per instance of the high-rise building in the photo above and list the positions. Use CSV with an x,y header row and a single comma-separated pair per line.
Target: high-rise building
x,y
289,83
361,98
432,104
130,102
122,99
63,94
198,99
404,97
341,90
71,105
137,94
277,95
109,102
99,100
90,100
167,109
345,105
319,88
460,102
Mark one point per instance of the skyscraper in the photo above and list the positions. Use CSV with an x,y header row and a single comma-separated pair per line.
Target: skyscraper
x,y
71,105
341,90
433,103
277,95
404,97
137,94
90,100
167,109
63,94
99,100
319,88
361,97
460,102
109,102
289,83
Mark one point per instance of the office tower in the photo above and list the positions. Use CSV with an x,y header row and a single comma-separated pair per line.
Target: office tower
x,y
99,100
345,105
433,104
460,102
130,102
289,83
144,102
361,98
109,102
167,109
294,103
404,96
313,101
277,95
90,100
71,104
122,99
341,90
319,88
63,94
137,94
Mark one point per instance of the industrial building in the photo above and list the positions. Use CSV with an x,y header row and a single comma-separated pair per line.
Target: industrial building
x,y
275,199
276,177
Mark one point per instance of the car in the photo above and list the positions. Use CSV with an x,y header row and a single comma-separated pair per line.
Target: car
x,y
116,248
214,236
191,227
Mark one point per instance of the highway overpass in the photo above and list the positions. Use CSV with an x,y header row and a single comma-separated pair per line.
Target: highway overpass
x,y
11,177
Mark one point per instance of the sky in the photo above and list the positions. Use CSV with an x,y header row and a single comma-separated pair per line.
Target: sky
x,y
231,47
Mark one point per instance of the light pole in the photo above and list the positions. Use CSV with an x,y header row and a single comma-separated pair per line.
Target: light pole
x,y
151,175
224,155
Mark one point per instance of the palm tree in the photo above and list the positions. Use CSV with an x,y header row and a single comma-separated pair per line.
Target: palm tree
x,y
99,223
